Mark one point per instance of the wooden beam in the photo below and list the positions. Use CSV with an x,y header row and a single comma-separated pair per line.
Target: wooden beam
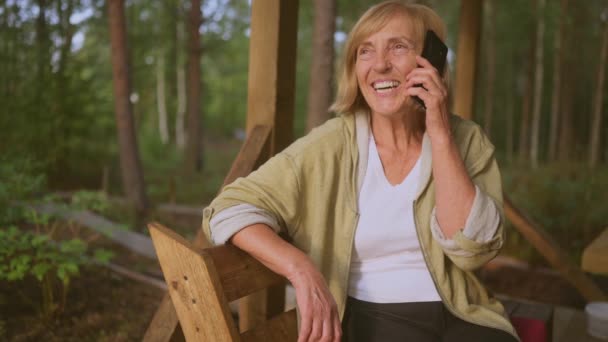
x,y
270,101
466,57
272,68
553,253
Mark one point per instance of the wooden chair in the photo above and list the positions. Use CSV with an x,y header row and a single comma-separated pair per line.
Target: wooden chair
x,y
202,282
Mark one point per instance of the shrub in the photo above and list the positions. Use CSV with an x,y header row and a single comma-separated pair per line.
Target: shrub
x,y
25,255
20,178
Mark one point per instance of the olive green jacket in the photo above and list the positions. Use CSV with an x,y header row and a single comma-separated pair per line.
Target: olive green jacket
x,y
311,188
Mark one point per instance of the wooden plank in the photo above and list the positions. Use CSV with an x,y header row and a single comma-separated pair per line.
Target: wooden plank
x,y
466,57
281,328
240,274
162,328
165,324
249,154
194,287
131,240
553,253
595,255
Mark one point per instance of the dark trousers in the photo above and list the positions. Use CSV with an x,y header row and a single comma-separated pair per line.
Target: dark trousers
x,y
420,322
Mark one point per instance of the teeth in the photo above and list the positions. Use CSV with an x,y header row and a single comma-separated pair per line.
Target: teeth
x,y
385,85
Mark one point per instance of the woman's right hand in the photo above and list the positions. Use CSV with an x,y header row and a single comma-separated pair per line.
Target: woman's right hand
x,y
318,309
320,320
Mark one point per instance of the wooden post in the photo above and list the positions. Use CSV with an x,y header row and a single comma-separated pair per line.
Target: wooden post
x,y
466,57
270,101
272,69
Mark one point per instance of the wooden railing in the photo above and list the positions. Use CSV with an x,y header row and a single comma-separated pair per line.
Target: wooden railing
x,y
552,252
164,325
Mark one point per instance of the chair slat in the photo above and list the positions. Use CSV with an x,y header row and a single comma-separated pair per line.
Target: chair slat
x,y
283,327
194,287
240,274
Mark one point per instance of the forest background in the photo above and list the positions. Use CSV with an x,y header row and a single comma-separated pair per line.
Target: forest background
x,y
540,95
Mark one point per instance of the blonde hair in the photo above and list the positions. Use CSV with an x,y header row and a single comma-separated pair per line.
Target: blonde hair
x,y
349,98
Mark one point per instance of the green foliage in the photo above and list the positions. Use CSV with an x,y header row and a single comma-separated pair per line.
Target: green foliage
x,y
25,255
568,200
90,200
20,178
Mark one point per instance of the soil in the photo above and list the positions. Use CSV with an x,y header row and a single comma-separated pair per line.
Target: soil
x,y
515,279
101,306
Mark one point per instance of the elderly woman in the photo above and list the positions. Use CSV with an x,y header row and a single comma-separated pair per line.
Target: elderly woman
x,y
385,211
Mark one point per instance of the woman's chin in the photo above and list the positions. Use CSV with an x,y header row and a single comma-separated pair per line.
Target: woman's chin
x,y
408,106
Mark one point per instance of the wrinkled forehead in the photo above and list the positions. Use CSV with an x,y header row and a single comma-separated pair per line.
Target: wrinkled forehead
x,y
395,30
413,27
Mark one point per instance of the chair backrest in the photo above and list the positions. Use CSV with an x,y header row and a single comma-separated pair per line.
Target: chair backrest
x,y
202,282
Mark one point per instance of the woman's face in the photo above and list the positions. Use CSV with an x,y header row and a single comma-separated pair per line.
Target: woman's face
x,y
383,61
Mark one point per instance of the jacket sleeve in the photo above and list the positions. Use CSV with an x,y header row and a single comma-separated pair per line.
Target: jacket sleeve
x,y
268,195
480,240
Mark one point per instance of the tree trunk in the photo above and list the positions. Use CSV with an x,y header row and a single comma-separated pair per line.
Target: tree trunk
x,y
524,137
163,129
490,42
566,136
320,90
538,82
596,121
567,90
42,41
180,117
194,144
558,61
60,101
510,128
132,175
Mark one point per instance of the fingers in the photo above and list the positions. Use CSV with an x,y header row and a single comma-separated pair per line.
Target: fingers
x,y
305,328
337,326
427,75
318,310
320,322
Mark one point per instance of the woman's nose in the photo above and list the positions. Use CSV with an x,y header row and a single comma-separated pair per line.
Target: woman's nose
x,y
382,62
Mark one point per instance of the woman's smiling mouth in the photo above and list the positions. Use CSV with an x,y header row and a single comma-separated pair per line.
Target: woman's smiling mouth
x,y
385,86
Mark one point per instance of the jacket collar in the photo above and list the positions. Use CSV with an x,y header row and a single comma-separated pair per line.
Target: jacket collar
x,y
363,131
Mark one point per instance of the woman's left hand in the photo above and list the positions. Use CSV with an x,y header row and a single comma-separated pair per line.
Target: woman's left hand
x,y
434,94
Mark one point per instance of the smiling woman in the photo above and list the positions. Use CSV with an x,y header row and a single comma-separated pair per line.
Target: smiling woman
x,y
388,208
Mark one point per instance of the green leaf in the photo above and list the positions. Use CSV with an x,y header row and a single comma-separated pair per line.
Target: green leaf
x,y
73,246
39,270
39,240
103,256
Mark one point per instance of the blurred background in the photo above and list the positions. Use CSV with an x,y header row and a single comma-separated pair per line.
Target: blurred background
x,y
540,96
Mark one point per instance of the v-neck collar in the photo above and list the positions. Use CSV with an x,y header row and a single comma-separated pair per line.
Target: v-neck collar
x,y
363,132
375,162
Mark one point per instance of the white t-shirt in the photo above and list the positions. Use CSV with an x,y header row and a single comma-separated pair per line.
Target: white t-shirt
x,y
387,263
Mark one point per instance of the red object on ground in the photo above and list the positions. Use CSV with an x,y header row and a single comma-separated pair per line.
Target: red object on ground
x,y
530,329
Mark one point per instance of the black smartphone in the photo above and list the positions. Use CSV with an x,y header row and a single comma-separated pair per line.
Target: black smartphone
x,y
435,51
